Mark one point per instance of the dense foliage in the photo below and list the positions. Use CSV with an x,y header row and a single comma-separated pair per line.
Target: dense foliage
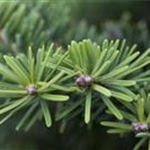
x,y
62,74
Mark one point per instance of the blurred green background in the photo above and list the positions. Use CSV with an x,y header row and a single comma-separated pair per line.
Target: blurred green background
x,y
37,23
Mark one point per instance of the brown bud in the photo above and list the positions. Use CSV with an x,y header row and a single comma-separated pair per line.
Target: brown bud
x,y
84,81
31,89
140,127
